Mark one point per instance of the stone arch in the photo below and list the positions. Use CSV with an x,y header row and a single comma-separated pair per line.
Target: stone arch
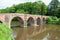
x,y
17,21
30,21
38,21
30,24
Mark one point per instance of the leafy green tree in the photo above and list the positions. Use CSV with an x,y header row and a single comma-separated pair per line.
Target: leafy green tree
x,y
39,8
43,9
22,11
29,7
57,12
36,8
52,7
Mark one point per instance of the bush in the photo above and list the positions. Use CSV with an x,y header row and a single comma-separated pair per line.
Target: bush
x,y
48,20
5,32
51,20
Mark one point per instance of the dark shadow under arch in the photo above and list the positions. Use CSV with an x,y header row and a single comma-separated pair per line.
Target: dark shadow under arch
x,y
17,22
30,22
30,26
38,21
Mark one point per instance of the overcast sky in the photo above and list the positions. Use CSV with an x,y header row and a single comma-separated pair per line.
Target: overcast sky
x,y
7,3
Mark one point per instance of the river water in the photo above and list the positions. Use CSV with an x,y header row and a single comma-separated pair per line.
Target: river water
x,y
51,32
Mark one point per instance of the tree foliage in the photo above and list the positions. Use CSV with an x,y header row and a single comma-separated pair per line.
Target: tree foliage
x,y
57,12
28,7
38,8
54,8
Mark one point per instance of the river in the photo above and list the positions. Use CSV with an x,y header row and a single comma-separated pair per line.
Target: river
x,y
52,32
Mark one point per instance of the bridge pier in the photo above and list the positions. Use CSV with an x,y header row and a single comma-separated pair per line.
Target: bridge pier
x,y
35,24
25,23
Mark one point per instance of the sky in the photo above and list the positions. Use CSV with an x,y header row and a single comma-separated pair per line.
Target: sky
x,y
8,3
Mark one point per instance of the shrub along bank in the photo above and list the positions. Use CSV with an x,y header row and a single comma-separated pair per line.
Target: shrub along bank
x,y
5,32
52,20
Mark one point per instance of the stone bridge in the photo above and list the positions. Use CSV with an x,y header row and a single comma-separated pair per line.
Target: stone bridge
x,y
24,19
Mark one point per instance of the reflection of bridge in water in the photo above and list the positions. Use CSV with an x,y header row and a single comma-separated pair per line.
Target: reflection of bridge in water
x,y
24,20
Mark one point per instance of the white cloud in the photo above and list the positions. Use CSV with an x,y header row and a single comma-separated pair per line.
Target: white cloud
x,y
46,1
7,3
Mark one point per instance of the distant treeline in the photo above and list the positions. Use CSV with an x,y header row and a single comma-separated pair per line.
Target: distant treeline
x,y
27,8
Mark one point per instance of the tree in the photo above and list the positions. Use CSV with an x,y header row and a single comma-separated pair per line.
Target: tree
x,y
57,12
52,7
43,9
31,8
22,11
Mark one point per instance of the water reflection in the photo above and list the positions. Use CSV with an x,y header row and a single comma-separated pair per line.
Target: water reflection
x,y
38,28
46,37
13,34
52,36
33,33
17,33
30,30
